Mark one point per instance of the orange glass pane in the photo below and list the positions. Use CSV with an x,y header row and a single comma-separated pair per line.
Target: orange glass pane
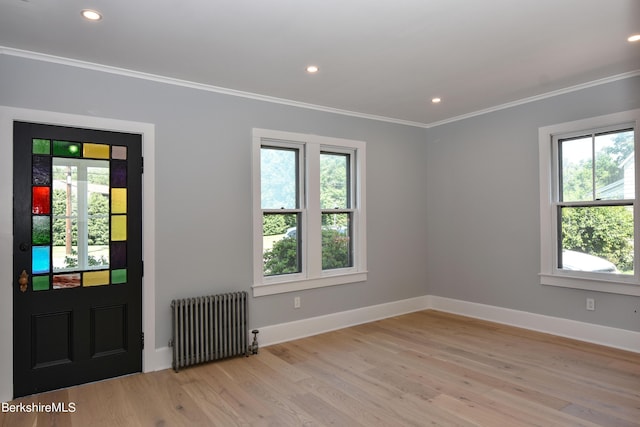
x,y
95,278
95,151
118,227
118,200
66,281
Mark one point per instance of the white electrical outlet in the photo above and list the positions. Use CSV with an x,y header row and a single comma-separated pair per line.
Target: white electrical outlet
x,y
591,304
296,302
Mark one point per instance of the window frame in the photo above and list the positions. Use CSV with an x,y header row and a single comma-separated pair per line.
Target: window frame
x,y
549,163
312,275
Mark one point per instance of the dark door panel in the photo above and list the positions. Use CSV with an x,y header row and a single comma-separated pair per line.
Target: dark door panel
x,y
77,256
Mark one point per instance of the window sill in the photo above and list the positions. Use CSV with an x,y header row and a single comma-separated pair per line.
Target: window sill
x,y
591,284
263,289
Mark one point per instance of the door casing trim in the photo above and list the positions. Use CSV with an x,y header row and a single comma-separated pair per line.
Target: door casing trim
x,y
7,116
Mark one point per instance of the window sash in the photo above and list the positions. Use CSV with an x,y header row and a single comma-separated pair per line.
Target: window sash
x,y
557,147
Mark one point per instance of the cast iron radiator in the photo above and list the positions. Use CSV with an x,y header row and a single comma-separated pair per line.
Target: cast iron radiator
x,y
209,328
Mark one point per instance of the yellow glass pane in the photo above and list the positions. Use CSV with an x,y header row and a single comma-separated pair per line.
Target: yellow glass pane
x,y
118,227
118,200
95,278
95,151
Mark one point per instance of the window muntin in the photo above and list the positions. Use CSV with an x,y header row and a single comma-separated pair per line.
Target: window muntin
x,y
320,240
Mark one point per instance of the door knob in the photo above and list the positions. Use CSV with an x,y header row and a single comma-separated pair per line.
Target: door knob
x,y
23,280
24,247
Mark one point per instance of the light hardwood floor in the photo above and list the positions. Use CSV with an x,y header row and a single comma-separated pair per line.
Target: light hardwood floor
x,y
424,368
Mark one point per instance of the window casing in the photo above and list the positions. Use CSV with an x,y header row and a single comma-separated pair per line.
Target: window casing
x,y
308,211
588,204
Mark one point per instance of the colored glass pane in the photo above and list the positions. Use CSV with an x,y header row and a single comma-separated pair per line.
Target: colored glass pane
x,y
118,173
118,254
119,152
95,278
95,151
66,281
41,146
66,149
41,170
41,230
40,283
118,227
41,203
40,259
118,200
118,276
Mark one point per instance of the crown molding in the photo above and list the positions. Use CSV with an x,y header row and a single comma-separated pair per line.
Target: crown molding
x,y
282,101
535,98
194,85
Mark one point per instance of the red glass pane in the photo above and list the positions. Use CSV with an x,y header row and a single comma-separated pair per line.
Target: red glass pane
x,y
41,203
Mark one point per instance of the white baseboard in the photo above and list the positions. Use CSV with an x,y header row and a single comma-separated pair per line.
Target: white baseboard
x,y
274,334
589,332
604,335
164,358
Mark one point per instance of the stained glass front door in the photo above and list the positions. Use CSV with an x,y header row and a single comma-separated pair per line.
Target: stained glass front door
x,y
77,238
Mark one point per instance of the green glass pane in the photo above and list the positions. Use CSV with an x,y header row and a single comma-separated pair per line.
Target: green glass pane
x,y
66,149
118,276
40,283
41,146
41,234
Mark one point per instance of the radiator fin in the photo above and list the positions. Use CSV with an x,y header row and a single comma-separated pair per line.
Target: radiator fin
x,y
209,328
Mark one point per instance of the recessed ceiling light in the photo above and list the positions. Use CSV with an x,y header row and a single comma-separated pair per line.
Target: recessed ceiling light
x,y
634,38
436,100
91,15
312,69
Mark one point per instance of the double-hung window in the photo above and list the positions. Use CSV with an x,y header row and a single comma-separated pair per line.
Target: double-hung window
x,y
309,211
588,205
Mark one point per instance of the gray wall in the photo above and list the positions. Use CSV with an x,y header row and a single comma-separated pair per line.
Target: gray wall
x,y
483,208
452,210
203,185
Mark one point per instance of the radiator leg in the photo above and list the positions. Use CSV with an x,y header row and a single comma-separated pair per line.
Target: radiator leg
x,y
253,348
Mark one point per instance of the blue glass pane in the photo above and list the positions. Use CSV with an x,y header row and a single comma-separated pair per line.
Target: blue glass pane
x,y
41,262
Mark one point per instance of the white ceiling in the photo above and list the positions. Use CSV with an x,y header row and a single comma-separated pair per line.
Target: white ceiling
x,y
384,58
